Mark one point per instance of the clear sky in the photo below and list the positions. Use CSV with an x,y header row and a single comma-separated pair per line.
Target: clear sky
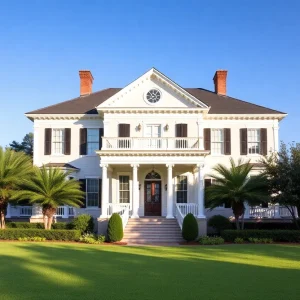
x,y
45,43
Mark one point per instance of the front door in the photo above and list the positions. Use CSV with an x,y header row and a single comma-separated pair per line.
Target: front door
x,y
152,198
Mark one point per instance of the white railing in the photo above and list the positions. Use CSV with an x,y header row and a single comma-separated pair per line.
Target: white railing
x,y
60,211
25,211
271,212
179,216
141,143
123,209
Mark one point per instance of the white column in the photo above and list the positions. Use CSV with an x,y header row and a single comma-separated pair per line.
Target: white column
x,y
275,136
200,132
66,212
8,211
135,192
247,212
170,192
201,214
105,190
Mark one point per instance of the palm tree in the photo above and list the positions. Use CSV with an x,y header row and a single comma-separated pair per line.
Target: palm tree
x,y
14,168
50,188
233,185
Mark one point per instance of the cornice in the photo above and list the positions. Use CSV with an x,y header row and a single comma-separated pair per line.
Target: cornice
x,y
151,153
155,110
63,116
244,116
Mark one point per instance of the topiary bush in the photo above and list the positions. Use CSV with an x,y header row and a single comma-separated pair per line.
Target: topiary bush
x,y
219,223
84,223
115,228
189,228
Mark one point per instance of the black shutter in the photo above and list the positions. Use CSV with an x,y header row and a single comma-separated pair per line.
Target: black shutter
x,y
101,133
227,141
100,192
181,130
207,182
263,141
67,141
83,141
124,130
206,138
83,188
243,141
48,140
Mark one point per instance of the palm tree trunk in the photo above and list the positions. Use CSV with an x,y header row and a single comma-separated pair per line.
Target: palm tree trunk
x,y
237,222
45,219
2,219
50,221
243,221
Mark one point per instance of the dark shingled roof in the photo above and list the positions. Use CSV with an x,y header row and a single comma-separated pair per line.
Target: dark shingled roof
x,y
60,165
219,104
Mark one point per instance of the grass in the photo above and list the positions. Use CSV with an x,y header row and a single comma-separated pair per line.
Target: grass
x,y
78,271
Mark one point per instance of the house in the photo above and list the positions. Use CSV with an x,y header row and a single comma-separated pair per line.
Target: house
x,y
147,149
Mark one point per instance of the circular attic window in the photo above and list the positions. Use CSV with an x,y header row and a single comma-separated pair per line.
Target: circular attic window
x,y
153,96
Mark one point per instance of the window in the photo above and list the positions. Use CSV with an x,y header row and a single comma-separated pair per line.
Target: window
x,y
181,189
253,138
153,96
58,141
92,192
124,190
92,141
217,141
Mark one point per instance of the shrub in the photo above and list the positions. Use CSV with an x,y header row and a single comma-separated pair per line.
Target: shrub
x,y
260,241
57,235
115,228
291,236
219,223
59,225
238,240
189,228
62,225
32,239
84,223
211,240
90,238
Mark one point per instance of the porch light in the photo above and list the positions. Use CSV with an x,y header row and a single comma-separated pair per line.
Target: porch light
x,y
140,187
166,187
167,127
139,127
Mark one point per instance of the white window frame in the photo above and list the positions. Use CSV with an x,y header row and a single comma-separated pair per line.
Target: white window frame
x,y
87,142
213,142
118,186
187,186
86,192
53,147
253,142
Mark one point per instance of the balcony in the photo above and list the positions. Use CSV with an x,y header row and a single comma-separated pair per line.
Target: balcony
x,y
144,143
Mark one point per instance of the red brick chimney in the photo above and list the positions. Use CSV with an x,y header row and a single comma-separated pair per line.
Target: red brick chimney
x,y
220,82
86,82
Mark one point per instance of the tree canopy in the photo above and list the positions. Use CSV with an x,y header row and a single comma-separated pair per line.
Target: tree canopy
x,y
25,146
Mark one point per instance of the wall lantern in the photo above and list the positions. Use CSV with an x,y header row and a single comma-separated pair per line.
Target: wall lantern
x,y
167,127
166,187
139,127
140,187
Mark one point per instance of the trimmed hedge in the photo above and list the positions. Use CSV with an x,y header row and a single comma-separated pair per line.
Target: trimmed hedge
x,y
270,225
84,223
115,228
291,236
189,228
219,223
27,225
52,235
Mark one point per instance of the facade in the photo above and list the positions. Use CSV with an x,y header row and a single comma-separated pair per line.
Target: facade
x,y
148,149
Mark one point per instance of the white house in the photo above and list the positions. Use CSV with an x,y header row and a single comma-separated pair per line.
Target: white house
x,y
147,149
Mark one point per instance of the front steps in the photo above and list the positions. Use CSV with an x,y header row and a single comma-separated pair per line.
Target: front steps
x,y
152,230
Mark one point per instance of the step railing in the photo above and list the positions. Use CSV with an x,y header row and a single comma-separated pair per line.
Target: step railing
x,y
178,215
123,209
188,208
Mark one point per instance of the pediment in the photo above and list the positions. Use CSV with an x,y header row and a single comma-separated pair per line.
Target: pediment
x,y
166,92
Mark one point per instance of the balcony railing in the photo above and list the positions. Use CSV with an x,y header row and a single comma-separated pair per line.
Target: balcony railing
x,y
271,212
142,143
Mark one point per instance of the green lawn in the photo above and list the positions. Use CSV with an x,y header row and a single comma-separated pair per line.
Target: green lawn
x,y
78,271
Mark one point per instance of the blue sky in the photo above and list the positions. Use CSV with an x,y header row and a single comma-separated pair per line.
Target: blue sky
x,y
45,43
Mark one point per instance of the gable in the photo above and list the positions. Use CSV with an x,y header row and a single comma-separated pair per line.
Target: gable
x,y
135,94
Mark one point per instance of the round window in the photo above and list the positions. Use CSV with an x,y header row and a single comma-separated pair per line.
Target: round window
x,y
153,96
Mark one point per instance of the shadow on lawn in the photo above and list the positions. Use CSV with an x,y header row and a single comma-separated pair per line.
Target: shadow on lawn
x,y
67,271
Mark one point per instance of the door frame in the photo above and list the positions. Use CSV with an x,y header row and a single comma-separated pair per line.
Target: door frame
x,y
151,124
145,195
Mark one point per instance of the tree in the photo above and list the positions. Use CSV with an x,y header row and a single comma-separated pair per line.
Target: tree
x,y
283,172
50,188
14,168
26,145
235,186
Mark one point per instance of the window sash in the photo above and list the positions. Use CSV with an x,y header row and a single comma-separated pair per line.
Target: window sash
x,y
253,138
124,189
217,141
58,141
181,189
92,140
92,192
